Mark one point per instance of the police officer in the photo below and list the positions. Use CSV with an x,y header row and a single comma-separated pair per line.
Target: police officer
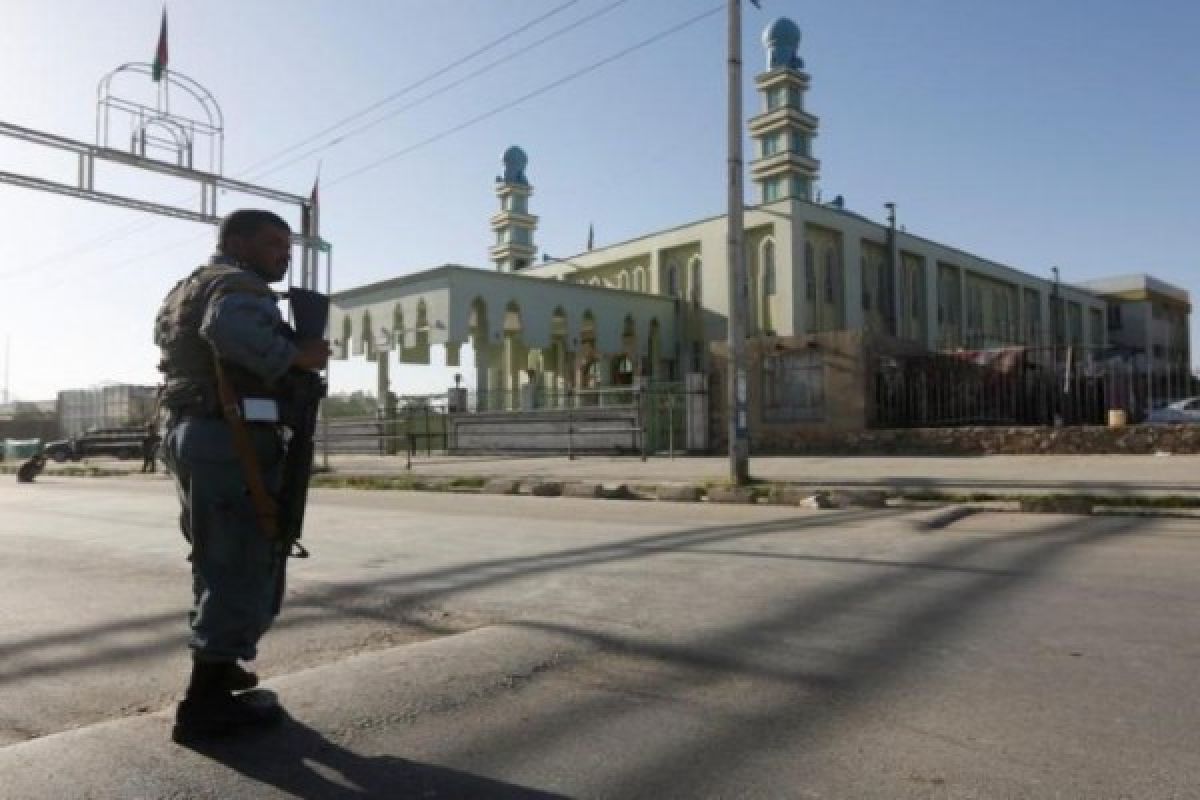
x,y
150,443
226,310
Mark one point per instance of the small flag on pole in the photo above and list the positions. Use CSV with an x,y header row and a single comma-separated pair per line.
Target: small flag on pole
x,y
160,54
591,235
308,223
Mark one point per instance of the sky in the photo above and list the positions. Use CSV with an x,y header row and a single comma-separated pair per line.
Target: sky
x,y
1035,134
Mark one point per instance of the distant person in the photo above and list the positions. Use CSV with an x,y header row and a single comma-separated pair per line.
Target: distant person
x,y
31,468
221,326
150,450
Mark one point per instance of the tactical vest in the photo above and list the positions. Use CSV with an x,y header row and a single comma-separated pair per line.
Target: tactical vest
x,y
187,365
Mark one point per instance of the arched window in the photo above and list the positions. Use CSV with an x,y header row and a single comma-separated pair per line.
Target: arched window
x,y
639,279
831,276
768,268
347,336
622,280
673,280
697,270
810,273
398,326
367,341
885,297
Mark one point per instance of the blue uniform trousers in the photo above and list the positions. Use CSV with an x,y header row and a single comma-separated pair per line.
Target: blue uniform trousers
x,y
234,566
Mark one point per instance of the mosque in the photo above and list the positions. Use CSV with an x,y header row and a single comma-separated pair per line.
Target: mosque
x,y
830,291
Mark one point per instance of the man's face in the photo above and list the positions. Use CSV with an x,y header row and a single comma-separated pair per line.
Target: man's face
x,y
267,251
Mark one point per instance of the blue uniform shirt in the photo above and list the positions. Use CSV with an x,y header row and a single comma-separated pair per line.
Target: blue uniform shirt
x,y
247,329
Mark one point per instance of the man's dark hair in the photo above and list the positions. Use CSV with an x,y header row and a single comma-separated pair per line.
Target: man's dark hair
x,y
247,222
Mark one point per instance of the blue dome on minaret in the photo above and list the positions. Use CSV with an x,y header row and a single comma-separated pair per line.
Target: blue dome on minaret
x,y
782,40
515,162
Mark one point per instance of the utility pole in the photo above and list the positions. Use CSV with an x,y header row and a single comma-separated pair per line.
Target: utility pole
x,y
736,384
895,309
1056,311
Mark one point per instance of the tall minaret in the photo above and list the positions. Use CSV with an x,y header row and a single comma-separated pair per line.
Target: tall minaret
x,y
514,225
783,165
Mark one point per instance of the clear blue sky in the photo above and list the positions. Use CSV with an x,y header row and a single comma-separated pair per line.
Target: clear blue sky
x,y
1032,133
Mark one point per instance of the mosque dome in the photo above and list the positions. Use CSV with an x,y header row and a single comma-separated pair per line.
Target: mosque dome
x,y
516,157
782,40
515,162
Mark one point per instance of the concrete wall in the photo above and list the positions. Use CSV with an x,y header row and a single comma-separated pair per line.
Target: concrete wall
x,y
553,430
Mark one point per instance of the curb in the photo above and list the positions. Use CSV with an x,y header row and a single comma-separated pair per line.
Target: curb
x,y
134,757
777,493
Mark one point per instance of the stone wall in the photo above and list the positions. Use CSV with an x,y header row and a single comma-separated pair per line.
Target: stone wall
x,y
1132,439
846,384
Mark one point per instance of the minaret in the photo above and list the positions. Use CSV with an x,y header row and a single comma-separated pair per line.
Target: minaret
x,y
514,225
783,165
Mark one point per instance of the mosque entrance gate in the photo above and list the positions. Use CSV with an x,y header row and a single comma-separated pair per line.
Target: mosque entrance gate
x,y
185,136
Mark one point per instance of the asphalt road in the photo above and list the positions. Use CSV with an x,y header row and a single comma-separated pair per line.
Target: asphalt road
x,y
444,645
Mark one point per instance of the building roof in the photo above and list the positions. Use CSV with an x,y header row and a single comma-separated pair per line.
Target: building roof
x,y
1137,282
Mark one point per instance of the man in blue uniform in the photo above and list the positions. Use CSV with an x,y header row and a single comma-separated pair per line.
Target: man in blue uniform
x,y
225,311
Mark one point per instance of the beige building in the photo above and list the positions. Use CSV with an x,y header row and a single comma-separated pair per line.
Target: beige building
x,y
829,290
1150,318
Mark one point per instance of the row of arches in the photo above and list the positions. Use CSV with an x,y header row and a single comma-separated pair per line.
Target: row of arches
x,y
383,335
684,279
577,361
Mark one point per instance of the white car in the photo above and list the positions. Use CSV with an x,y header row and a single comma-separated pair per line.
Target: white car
x,y
1185,410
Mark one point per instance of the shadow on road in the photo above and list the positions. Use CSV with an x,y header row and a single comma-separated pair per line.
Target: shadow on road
x,y
389,600
788,653
300,761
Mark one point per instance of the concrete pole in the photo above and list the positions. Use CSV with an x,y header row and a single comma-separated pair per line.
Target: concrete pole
x,y
897,326
736,383
383,387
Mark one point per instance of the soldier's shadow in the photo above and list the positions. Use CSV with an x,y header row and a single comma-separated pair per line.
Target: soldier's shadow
x,y
301,761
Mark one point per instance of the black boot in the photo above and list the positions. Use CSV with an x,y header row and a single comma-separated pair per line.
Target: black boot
x,y
210,709
237,679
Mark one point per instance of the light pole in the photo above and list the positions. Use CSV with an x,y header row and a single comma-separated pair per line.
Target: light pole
x,y
895,307
1056,308
736,384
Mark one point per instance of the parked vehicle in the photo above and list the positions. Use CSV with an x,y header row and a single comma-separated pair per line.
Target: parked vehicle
x,y
1185,410
121,443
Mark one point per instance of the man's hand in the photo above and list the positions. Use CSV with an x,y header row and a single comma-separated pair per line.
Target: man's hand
x,y
312,354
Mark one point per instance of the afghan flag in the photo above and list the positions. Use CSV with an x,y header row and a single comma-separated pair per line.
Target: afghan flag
x,y
160,54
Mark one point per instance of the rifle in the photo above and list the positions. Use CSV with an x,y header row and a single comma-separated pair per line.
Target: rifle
x,y
302,391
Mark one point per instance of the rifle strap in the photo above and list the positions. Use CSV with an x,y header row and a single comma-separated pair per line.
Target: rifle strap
x,y
265,508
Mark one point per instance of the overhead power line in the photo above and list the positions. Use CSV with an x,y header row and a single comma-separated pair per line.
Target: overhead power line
x,y
342,137
579,73
136,227
437,73
575,75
